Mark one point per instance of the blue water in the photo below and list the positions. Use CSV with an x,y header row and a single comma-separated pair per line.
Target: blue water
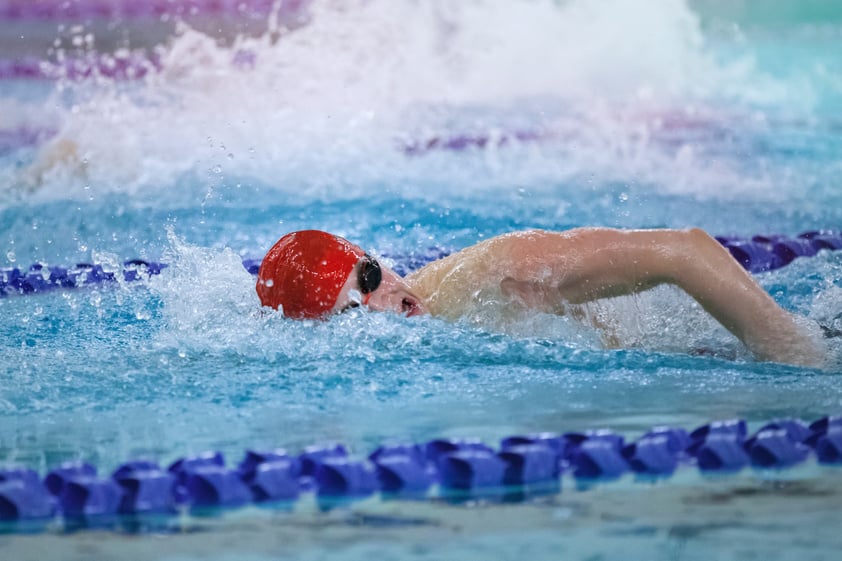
x,y
689,115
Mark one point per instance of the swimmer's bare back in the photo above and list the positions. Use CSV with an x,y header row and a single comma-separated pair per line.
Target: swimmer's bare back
x,y
547,270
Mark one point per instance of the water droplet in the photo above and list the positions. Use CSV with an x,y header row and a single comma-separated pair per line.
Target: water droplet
x,y
143,315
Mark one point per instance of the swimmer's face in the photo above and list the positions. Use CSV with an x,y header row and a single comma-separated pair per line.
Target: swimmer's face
x,y
379,288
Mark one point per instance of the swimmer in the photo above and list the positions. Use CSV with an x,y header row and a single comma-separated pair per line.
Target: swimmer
x,y
313,274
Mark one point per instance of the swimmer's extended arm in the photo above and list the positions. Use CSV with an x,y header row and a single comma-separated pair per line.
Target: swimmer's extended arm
x,y
591,263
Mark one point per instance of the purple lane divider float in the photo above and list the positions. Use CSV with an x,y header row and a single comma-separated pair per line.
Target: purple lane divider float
x,y
340,476
90,497
765,253
529,463
58,478
146,488
652,455
205,481
23,496
80,493
436,468
829,446
403,469
598,459
721,452
774,448
271,476
471,468
40,278
821,427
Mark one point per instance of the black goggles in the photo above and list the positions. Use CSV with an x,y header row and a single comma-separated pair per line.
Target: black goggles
x,y
369,274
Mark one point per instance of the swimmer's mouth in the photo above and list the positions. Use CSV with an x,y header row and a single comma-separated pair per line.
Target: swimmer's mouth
x,y
410,307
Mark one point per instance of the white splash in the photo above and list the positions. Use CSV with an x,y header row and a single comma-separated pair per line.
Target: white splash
x,y
317,111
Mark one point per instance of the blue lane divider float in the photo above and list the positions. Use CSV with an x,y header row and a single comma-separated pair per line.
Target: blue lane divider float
x,y
757,254
457,469
765,253
43,278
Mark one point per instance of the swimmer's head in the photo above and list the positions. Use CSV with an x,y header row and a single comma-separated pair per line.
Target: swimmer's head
x,y
304,272
311,274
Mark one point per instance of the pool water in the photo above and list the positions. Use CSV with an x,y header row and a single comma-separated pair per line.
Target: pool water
x,y
640,115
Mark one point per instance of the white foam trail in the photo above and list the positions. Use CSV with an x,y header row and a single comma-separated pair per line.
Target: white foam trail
x,y
319,111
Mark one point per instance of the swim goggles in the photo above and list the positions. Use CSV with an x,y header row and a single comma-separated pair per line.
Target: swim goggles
x,y
369,276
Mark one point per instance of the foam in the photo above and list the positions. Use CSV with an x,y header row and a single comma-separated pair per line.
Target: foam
x,y
317,111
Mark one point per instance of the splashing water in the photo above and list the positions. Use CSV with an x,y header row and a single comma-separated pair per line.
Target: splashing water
x,y
406,126
620,90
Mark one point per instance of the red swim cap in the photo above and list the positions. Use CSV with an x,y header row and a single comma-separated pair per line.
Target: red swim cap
x,y
304,272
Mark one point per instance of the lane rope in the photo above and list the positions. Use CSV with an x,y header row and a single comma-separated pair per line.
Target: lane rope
x,y
756,254
521,467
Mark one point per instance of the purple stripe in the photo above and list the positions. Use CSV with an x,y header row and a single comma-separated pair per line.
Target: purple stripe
x,y
29,136
132,67
21,137
108,9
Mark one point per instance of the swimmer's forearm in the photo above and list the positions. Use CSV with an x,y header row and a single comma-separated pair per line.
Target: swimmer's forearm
x,y
594,263
732,296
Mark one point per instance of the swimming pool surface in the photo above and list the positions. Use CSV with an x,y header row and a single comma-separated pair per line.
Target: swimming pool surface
x,y
625,114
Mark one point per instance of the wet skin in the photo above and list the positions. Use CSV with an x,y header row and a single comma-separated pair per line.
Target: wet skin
x,y
392,295
543,269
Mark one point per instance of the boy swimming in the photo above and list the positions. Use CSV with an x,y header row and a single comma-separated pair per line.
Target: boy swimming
x,y
312,274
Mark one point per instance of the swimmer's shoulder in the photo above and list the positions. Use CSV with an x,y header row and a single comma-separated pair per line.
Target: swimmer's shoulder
x,y
481,257
449,280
